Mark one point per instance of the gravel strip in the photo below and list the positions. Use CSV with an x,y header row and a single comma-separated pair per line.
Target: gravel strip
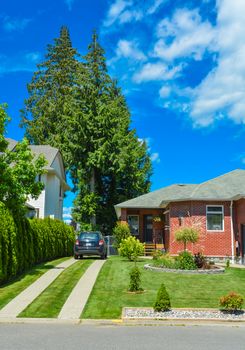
x,y
148,313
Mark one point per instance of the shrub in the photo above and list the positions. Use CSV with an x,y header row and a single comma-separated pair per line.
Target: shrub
x,y
200,260
185,261
135,280
157,254
162,302
227,263
186,235
120,232
165,260
231,302
24,242
131,248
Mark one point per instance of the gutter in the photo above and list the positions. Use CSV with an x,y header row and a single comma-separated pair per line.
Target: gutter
x,y
232,234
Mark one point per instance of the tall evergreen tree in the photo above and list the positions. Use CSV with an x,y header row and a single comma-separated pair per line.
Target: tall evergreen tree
x,y
50,105
77,107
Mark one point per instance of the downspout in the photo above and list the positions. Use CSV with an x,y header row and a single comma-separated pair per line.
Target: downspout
x,y
232,234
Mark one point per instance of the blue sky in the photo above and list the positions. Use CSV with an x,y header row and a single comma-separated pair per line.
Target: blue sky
x,y
180,64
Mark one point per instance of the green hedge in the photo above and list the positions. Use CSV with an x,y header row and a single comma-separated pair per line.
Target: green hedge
x,y
24,242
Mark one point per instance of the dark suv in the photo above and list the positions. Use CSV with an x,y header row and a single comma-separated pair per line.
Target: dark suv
x,y
90,243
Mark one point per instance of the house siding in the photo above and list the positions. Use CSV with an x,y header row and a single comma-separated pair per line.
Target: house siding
x,y
211,243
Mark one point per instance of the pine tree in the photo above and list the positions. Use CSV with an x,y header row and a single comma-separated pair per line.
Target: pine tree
x,y
51,103
76,106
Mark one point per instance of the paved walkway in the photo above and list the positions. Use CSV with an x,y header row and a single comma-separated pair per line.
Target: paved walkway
x,y
19,303
77,300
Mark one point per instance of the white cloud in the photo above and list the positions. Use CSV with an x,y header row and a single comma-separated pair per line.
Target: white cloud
x,y
222,93
69,4
155,6
165,91
129,49
14,24
67,214
125,11
156,72
184,35
155,157
22,62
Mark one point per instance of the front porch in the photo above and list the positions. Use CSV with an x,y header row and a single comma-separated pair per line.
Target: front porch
x,y
150,226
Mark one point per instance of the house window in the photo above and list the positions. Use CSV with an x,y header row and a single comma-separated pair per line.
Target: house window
x,y
133,221
215,217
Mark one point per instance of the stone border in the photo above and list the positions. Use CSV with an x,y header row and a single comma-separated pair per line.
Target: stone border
x,y
216,271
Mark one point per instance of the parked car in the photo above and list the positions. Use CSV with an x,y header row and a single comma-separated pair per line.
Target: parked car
x,y
90,243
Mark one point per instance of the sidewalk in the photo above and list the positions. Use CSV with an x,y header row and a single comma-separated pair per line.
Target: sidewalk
x,y
77,300
25,298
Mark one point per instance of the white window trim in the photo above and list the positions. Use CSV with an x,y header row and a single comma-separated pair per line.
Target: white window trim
x,y
138,222
215,212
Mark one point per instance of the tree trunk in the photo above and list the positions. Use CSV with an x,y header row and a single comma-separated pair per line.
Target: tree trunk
x,y
92,190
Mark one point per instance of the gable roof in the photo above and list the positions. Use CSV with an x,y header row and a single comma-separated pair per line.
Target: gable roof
x,y
225,187
50,153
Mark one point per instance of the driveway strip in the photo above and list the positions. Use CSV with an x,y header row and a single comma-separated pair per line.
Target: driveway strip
x,y
19,303
77,300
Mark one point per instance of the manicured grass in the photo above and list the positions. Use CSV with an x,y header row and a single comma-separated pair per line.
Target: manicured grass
x,y
50,302
202,291
11,289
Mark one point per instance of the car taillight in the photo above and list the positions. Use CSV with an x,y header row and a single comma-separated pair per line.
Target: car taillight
x,y
101,242
77,242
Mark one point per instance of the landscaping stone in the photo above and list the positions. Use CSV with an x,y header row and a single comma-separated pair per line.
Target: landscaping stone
x,y
216,270
190,314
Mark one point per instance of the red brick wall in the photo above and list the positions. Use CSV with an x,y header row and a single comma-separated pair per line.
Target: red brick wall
x,y
214,243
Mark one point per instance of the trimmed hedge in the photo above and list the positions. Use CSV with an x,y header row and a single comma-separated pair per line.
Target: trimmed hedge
x,y
24,243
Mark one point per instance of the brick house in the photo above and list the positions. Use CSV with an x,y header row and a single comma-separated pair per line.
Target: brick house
x,y
216,207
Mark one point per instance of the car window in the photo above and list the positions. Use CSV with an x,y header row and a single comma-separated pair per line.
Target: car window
x,y
89,235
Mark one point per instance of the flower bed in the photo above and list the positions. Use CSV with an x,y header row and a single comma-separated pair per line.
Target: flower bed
x,y
211,271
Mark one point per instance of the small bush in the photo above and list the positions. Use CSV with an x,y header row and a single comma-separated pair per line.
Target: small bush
x,y
131,248
200,260
162,302
231,302
135,280
187,235
120,232
165,260
227,263
157,254
185,261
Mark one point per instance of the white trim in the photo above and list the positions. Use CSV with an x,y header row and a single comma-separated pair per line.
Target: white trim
x,y
215,212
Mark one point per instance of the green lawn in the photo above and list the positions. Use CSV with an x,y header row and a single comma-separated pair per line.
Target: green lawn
x,y
50,302
110,291
12,289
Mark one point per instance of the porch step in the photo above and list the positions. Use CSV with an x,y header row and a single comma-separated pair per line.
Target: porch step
x,y
150,248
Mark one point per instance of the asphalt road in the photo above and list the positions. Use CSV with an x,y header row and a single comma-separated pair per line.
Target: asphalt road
x,y
69,337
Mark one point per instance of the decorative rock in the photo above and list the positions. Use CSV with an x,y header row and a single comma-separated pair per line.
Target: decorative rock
x,y
215,271
149,313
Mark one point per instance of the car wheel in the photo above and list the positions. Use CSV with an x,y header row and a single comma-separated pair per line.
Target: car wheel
x,y
75,257
81,256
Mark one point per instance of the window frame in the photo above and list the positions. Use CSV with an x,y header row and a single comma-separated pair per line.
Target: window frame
x,y
220,212
138,224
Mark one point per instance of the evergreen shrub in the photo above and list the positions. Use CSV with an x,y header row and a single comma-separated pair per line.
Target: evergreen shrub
x,y
135,280
24,243
162,302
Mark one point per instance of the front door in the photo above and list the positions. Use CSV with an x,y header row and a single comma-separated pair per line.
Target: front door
x,y
148,228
